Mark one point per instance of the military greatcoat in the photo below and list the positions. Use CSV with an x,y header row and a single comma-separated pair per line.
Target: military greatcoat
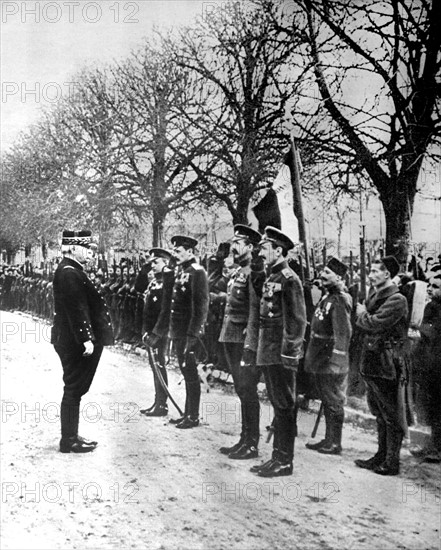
x,y
330,334
237,306
190,299
277,322
80,311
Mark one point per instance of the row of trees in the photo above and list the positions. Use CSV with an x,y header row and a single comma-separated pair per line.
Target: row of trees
x,y
203,117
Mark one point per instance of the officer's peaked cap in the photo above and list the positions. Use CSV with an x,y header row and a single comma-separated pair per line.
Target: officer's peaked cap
x,y
159,253
338,267
184,240
78,238
247,232
275,236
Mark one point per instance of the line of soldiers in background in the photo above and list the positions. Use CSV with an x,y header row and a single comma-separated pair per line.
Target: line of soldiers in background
x,y
123,287
28,288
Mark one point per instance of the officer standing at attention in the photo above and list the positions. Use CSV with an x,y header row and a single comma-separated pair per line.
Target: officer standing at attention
x,y
327,356
245,376
276,328
188,314
155,321
81,328
384,323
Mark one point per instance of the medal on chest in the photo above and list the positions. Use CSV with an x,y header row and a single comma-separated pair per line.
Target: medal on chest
x,y
272,288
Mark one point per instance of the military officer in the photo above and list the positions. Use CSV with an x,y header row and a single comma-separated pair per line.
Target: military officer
x,y
383,322
188,314
155,321
81,328
327,356
276,328
245,376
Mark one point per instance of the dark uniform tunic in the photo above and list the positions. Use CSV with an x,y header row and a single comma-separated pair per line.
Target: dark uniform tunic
x,y
384,327
80,315
189,305
427,370
245,377
327,356
188,314
276,329
155,320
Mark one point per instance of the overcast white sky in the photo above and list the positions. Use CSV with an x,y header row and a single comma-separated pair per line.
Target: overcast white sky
x,y
44,43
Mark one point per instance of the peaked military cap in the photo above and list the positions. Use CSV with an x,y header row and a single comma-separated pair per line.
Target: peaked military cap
x,y
338,267
391,264
159,253
184,240
246,232
78,238
274,235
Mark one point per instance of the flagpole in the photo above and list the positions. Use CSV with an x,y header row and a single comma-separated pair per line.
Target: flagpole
x,y
298,204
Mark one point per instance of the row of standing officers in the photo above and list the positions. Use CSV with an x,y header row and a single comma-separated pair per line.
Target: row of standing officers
x,y
262,332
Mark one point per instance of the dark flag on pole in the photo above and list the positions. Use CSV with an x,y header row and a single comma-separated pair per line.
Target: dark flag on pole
x,y
267,211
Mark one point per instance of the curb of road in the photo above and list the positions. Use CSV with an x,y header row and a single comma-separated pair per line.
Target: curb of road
x,y
417,436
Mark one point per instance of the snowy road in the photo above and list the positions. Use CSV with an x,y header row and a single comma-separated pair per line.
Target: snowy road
x,y
151,486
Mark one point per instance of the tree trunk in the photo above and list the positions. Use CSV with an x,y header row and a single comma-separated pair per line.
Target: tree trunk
x,y
157,227
397,207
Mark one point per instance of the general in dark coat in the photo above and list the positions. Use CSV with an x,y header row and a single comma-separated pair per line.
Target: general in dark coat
x,y
81,328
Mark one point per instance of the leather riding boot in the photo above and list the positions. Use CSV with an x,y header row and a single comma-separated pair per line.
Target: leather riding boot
x,y
242,439
233,448
252,417
194,398
286,428
282,466
335,435
324,442
380,456
391,466
244,452
158,410
160,393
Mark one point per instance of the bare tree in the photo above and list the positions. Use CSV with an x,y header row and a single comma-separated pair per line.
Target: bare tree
x,y
245,68
166,160
370,98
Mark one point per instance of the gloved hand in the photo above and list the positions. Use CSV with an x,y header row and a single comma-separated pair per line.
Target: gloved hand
x,y
190,344
249,357
152,340
88,348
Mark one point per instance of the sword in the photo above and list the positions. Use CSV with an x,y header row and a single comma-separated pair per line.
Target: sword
x,y
317,421
155,368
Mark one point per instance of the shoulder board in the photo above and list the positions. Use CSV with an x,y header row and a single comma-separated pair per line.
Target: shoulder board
x,y
197,266
286,272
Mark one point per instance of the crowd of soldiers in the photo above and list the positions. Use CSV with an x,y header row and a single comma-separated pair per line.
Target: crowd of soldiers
x,y
246,310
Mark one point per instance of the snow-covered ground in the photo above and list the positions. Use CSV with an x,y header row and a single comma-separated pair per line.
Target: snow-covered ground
x,y
149,485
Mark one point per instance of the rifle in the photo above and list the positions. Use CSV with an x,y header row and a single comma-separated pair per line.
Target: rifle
x,y
156,370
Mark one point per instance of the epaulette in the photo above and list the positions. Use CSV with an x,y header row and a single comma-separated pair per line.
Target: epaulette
x,y
287,272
